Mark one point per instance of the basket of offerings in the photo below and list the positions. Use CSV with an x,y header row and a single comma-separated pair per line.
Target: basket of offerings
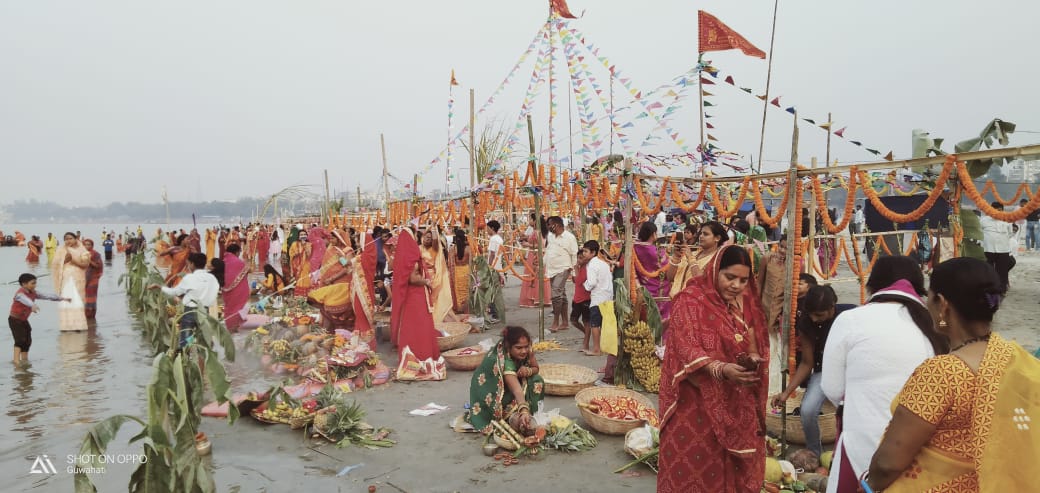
x,y
456,333
614,411
562,379
795,433
466,358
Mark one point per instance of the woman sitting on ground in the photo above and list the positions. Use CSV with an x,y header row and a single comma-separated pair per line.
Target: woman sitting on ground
x,y
961,422
507,385
821,308
273,282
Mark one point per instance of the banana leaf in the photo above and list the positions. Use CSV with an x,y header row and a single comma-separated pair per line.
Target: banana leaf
x,y
486,290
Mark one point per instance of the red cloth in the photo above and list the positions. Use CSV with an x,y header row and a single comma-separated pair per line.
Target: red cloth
x,y
235,291
411,317
712,434
364,290
94,271
19,310
580,293
716,36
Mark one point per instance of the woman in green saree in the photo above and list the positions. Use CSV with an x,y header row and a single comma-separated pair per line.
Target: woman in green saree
x,y
507,385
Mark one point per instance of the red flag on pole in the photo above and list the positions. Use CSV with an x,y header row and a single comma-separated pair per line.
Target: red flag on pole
x,y
561,9
716,36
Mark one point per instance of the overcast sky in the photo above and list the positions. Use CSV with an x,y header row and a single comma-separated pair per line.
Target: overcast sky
x,y
104,100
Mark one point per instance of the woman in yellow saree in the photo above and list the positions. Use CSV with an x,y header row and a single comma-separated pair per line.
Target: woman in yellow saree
x,y
435,268
460,257
963,421
333,294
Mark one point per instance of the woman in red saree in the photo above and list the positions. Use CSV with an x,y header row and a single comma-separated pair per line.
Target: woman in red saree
x,y
263,247
94,271
236,288
411,315
35,247
529,287
713,410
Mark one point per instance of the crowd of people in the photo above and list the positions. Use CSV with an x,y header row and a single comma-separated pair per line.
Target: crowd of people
x,y
916,372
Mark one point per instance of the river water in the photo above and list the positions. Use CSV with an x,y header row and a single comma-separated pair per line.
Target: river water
x,y
74,379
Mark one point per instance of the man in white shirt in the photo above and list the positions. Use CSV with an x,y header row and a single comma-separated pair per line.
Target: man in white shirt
x,y
996,242
495,258
198,291
858,218
600,283
560,256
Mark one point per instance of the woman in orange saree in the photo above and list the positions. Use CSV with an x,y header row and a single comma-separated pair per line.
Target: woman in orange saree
x,y
529,287
714,383
364,299
161,245
333,291
68,268
178,256
300,260
963,420
35,247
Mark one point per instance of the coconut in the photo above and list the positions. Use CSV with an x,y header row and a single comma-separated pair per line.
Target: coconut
x,y
804,459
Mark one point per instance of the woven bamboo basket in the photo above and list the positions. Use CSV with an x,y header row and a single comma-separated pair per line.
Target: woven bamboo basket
x,y
609,426
457,332
464,362
561,379
297,423
795,432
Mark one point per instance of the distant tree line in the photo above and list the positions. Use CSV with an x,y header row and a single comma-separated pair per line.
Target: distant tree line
x,y
32,211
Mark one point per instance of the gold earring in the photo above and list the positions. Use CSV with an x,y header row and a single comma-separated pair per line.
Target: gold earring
x,y
942,323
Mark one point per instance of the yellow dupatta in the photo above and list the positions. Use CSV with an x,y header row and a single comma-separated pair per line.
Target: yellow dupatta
x,y
1006,418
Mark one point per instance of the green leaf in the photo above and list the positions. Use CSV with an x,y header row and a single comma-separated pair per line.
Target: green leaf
x,y
95,444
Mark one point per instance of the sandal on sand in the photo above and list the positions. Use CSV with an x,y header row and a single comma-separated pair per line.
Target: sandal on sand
x,y
590,353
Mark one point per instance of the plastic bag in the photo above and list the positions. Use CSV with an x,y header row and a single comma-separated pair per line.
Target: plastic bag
x,y
487,344
544,419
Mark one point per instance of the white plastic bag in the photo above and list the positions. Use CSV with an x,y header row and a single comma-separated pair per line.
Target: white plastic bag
x,y
487,344
543,419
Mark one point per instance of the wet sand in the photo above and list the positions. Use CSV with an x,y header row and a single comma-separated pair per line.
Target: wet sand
x,y
78,379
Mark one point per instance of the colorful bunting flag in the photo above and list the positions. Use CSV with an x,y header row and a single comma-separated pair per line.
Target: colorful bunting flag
x,y
706,93
873,151
775,102
856,142
888,157
809,120
747,90
790,110
707,82
710,137
840,133
729,79
708,103
708,125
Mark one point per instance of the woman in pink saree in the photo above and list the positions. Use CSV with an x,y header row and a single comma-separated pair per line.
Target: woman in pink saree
x,y
236,288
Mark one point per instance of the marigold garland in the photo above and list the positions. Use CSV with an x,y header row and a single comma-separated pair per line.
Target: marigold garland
x,y
973,193
642,199
850,202
792,337
923,209
992,189
722,210
763,215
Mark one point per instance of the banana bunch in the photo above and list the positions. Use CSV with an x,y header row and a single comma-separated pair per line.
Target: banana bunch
x,y
639,343
282,413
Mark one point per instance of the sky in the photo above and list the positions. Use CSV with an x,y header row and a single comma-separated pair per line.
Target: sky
x,y
106,100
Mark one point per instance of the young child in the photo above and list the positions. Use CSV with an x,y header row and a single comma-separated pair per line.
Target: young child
x,y
581,303
23,306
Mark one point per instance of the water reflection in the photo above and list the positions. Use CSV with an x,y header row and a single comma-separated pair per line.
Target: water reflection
x,y
26,403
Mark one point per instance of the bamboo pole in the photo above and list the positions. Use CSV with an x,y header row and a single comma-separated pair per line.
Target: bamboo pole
x,y
812,227
386,182
793,214
472,141
540,274
769,78
325,210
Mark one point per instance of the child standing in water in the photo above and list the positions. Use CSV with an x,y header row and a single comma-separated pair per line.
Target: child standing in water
x,y
24,305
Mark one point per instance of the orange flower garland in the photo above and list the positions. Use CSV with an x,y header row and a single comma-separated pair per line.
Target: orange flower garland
x,y
973,193
760,207
918,213
678,200
792,337
992,189
850,202
723,212
642,199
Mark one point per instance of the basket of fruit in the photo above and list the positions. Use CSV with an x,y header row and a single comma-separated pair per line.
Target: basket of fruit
x,y
795,434
561,379
614,411
467,358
